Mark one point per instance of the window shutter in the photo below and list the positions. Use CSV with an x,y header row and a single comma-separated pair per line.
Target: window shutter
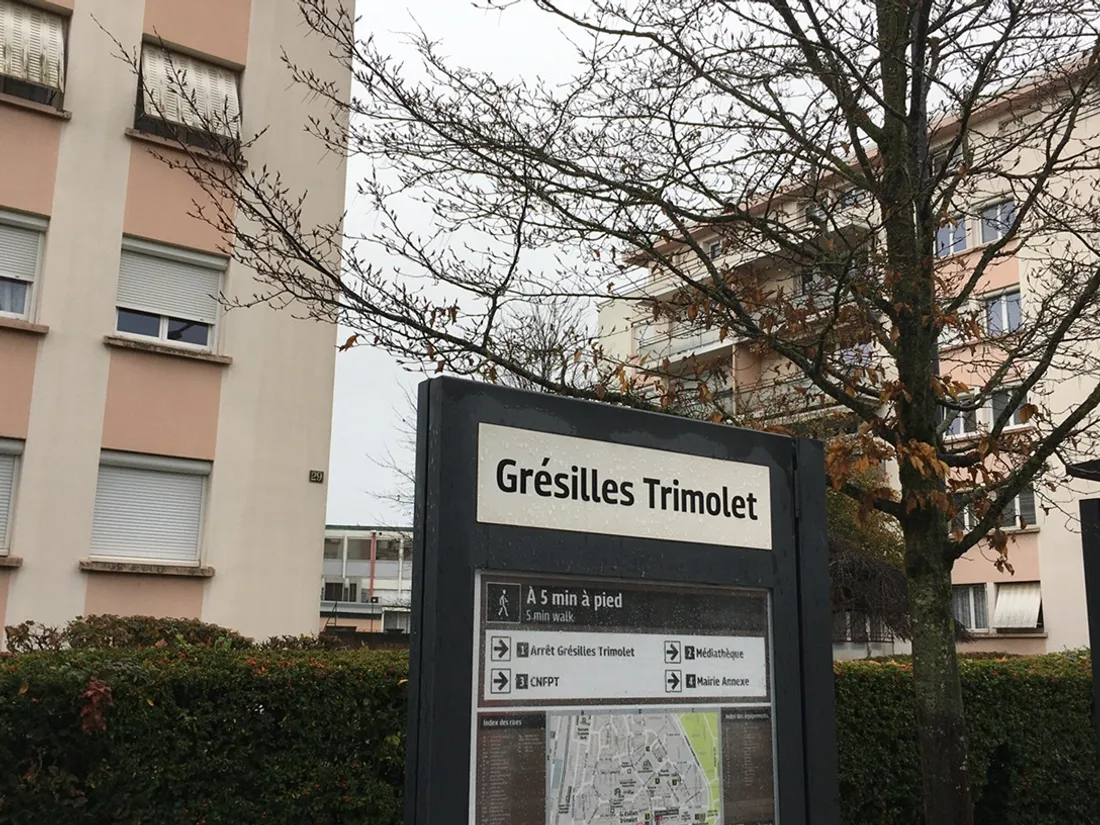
x,y
189,91
32,45
7,483
166,287
1017,606
145,514
18,252
160,93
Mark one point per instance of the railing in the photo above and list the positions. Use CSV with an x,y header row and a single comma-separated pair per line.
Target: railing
x,y
781,398
682,342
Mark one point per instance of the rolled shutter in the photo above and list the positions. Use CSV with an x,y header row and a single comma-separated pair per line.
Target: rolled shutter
x,y
7,484
167,287
1018,606
159,93
32,45
189,91
145,514
18,252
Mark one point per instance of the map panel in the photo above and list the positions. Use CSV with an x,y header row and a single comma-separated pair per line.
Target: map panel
x,y
627,767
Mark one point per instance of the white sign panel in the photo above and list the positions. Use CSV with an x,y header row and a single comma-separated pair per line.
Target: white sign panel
x,y
528,478
541,665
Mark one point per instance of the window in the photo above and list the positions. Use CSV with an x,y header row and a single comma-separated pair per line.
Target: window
x,y
999,402
715,249
951,237
1002,313
1019,606
10,450
961,422
996,220
187,99
395,621
334,548
359,549
168,294
334,592
388,549
1018,514
20,242
814,280
969,603
32,53
851,198
860,355
941,162
148,507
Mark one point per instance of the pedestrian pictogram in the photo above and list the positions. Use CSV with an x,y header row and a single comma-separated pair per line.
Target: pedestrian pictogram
x,y
672,653
503,603
673,682
500,649
500,680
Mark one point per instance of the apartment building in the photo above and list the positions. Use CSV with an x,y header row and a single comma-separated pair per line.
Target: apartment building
x,y
1037,607
158,455
366,580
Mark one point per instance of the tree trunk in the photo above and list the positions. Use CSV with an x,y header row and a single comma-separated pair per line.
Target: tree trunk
x,y
941,722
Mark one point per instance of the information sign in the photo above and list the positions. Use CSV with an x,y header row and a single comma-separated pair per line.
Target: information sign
x,y
652,703
619,618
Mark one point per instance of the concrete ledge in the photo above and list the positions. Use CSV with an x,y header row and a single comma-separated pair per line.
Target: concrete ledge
x,y
159,348
23,326
186,148
10,562
41,108
145,569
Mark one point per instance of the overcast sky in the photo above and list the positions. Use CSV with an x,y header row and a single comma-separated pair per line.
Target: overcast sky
x,y
368,407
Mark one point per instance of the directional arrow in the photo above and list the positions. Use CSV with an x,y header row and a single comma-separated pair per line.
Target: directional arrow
x,y
501,648
672,681
500,680
672,652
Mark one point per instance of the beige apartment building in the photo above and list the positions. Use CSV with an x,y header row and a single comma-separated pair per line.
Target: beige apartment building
x,y
1039,608
156,451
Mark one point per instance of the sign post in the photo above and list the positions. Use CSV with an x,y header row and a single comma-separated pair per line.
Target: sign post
x,y
618,618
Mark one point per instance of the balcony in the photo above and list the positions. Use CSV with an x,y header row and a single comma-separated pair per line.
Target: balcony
x,y
681,343
780,399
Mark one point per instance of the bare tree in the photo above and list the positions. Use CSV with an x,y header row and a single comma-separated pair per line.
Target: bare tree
x,y
794,177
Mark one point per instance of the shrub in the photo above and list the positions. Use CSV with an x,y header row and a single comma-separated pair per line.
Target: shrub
x,y
106,631
113,632
1033,755
209,736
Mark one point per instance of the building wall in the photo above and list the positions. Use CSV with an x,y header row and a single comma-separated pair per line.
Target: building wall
x,y
261,413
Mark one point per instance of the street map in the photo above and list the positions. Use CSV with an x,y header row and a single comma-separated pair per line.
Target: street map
x,y
632,768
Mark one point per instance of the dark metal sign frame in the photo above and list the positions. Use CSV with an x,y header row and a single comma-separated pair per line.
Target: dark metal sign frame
x,y
450,546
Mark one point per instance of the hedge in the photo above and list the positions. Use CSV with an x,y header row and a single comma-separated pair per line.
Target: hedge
x,y
1033,753
202,736
211,736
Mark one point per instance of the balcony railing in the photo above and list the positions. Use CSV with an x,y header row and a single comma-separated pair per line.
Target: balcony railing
x,y
680,343
782,398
